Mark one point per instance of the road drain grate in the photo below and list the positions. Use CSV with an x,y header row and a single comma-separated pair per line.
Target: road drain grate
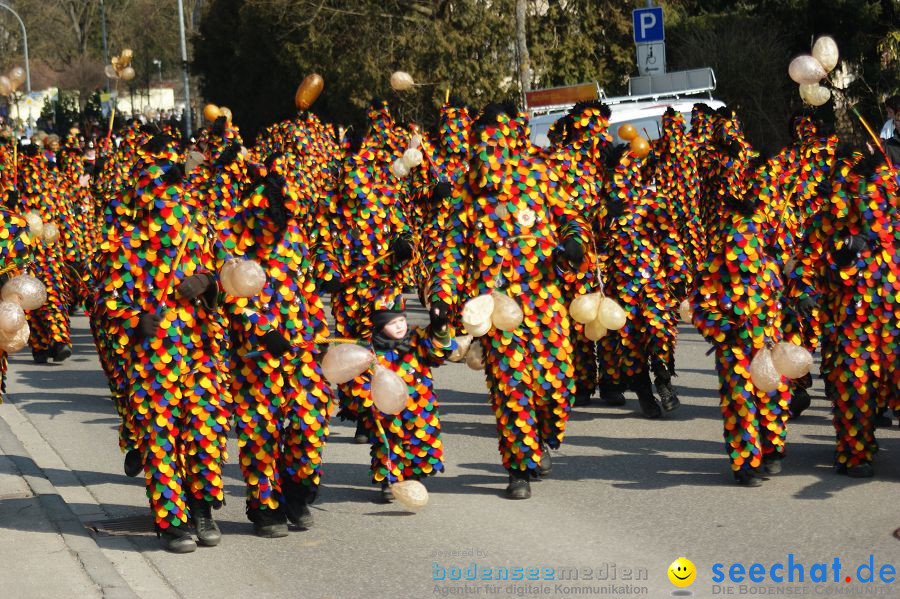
x,y
131,525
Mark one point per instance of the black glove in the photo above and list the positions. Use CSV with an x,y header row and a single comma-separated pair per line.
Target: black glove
x,y
194,286
773,251
148,324
276,211
229,154
679,289
402,249
612,154
175,174
441,191
12,200
734,148
852,246
439,315
745,207
275,343
615,209
805,307
218,128
331,286
573,251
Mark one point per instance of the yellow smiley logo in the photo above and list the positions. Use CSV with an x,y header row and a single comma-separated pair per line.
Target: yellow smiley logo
x,y
682,572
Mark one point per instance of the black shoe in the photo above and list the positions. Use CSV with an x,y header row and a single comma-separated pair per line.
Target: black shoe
x,y
61,352
207,530
582,399
362,435
546,463
861,470
613,398
641,385
41,356
800,400
177,539
772,465
746,478
134,464
387,495
663,379
269,524
296,502
519,487
882,421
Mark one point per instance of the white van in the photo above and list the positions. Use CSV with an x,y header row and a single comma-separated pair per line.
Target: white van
x,y
680,90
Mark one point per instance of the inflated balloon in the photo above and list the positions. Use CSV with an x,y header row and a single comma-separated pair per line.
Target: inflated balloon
x,y
193,160
50,234
507,315
16,341
687,315
594,330
462,346
25,290
401,81
344,362
475,357
211,112
400,169
226,273
410,493
825,50
611,315
415,141
478,329
308,91
6,86
477,311
389,392
127,55
247,279
763,373
639,146
226,112
12,317
583,308
814,94
412,158
627,132
790,359
128,74
35,224
110,72
17,75
806,69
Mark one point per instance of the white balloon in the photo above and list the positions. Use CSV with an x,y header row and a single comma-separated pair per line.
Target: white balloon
x,y
825,50
412,158
763,373
411,493
400,169
401,81
814,94
806,69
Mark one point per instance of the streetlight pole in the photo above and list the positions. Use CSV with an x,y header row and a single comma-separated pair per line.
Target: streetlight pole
x,y
24,45
184,66
105,47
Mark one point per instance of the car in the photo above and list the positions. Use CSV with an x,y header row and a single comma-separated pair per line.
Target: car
x,y
644,111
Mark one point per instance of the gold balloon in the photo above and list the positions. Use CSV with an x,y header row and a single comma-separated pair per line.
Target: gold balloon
x,y
111,72
6,85
640,147
226,112
128,74
17,75
211,112
308,91
627,132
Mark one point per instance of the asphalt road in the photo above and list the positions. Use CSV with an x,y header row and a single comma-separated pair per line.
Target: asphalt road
x,y
627,496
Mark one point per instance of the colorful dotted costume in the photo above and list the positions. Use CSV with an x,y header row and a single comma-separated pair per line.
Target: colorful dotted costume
x,y
512,216
281,398
16,254
176,378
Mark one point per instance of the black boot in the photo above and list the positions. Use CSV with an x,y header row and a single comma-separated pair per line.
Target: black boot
x,y
177,539
269,524
747,478
582,397
61,351
207,530
612,394
387,495
641,385
663,379
362,435
134,463
546,464
297,497
800,400
41,356
861,470
519,486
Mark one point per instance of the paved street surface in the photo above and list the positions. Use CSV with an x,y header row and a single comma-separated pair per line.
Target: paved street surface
x,y
626,495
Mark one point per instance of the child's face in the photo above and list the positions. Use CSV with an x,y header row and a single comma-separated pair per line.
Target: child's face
x,y
396,329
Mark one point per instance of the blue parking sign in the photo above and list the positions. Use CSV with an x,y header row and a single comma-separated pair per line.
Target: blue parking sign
x,y
648,25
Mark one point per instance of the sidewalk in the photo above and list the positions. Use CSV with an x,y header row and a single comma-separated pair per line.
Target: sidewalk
x,y
45,550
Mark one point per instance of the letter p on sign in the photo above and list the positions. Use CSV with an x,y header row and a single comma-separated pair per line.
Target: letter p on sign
x,y
648,25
